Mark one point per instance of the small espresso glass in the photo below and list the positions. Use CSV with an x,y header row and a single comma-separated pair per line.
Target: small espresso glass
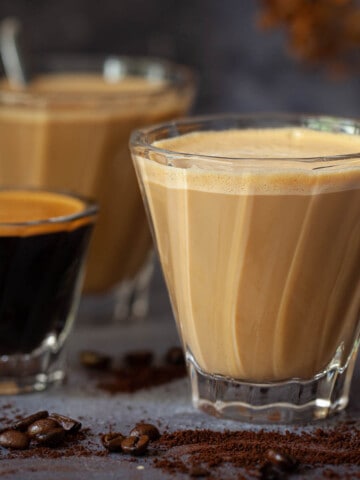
x,y
69,129
257,225
44,236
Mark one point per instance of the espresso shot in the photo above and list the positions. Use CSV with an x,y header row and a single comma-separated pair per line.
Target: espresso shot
x,y
43,241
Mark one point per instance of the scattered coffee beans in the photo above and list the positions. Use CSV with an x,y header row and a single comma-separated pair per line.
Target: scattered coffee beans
x,y
67,423
137,441
277,465
94,360
145,429
269,471
137,369
175,356
41,428
14,440
244,451
135,445
51,438
281,460
24,423
112,441
139,358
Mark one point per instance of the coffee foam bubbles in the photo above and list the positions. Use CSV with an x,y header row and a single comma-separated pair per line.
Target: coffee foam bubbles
x,y
264,143
70,97
268,162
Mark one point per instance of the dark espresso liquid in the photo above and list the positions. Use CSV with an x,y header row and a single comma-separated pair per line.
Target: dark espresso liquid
x,y
38,271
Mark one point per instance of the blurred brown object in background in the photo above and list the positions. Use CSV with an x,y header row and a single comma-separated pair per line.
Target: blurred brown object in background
x,y
325,32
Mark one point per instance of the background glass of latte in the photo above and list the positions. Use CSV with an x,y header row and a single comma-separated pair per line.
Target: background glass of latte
x,y
257,225
44,236
69,129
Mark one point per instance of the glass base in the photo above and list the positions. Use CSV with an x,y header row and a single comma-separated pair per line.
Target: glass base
x,y
25,373
290,401
128,299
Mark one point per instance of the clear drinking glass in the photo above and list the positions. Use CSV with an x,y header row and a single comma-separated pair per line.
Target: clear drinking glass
x,y
44,236
261,259
69,129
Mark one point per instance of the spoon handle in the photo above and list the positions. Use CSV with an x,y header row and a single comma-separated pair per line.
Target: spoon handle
x,y
12,53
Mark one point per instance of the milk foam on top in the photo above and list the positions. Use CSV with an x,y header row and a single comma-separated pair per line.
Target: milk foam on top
x,y
86,82
79,96
264,143
262,265
264,161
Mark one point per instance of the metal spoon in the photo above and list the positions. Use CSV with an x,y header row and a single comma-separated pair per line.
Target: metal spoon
x,y
12,53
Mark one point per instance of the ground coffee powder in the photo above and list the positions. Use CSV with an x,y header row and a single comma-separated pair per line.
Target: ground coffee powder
x,y
180,451
228,454
132,379
137,370
222,455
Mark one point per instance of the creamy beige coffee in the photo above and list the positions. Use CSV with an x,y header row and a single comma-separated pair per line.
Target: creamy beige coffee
x,y
72,133
262,262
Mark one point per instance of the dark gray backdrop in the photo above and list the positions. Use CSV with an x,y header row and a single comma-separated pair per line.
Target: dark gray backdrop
x,y
241,68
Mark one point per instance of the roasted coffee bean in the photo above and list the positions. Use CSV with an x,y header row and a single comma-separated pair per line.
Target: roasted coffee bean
x,y
42,426
139,358
145,429
269,471
67,423
175,356
52,438
135,445
94,360
282,460
14,439
197,471
24,423
112,441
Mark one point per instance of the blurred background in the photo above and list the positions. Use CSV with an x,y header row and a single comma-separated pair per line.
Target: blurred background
x,y
250,55
242,67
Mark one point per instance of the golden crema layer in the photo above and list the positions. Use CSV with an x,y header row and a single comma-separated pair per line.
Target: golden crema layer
x,y
26,206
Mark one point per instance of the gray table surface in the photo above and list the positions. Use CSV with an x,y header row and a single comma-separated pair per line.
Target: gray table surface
x,y
170,404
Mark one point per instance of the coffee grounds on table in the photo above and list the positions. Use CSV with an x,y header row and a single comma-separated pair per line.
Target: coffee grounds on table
x,y
204,453
130,380
74,442
79,446
180,451
138,370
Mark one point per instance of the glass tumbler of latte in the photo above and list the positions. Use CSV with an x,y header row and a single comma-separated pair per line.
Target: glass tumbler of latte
x,y
69,129
257,224
44,236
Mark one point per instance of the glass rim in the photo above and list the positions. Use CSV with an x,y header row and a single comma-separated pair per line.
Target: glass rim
x,y
176,76
140,138
90,207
